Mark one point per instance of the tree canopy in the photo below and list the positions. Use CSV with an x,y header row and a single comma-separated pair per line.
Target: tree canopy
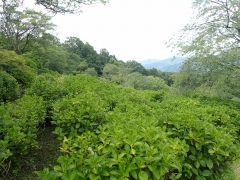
x,y
211,43
20,26
69,6
61,6
214,29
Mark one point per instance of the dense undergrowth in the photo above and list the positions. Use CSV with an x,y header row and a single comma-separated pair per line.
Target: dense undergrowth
x,y
37,158
112,132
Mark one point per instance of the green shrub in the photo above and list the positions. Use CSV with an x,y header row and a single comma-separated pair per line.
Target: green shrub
x,y
91,72
9,89
73,116
212,147
112,132
19,124
47,86
16,67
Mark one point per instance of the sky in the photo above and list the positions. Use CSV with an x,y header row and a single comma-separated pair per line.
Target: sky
x,y
129,29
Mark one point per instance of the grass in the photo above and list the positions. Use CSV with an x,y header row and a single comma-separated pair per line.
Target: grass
x,y
36,160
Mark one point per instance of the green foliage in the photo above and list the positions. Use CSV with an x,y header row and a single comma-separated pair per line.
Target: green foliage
x,y
21,27
91,71
135,67
67,6
157,96
87,54
45,156
109,70
130,77
49,87
206,129
18,129
14,65
166,76
4,44
89,114
111,132
207,79
52,57
82,66
210,43
149,83
9,88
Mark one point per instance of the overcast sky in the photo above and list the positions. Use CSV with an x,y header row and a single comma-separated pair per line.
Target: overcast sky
x,y
129,29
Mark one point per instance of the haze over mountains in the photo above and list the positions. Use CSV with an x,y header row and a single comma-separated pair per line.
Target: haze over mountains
x,y
166,65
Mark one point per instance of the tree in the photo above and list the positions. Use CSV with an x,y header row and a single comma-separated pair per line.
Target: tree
x,y
215,29
138,81
86,52
61,6
152,72
136,67
110,70
48,55
104,57
91,71
82,66
69,6
20,27
74,45
211,43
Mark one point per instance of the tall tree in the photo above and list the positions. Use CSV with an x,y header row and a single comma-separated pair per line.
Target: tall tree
x,y
87,53
74,45
135,67
104,56
110,70
211,42
20,26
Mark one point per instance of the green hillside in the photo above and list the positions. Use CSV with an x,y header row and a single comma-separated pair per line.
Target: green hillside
x,y
68,112
107,131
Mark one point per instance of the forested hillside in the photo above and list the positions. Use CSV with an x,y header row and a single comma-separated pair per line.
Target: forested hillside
x,y
69,112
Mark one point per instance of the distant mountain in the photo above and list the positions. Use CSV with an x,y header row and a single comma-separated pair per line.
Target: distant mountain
x,y
165,65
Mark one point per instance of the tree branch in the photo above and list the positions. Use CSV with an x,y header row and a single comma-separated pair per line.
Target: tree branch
x,y
218,2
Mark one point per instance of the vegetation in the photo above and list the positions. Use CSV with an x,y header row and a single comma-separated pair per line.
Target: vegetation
x,y
212,49
21,27
68,112
60,6
9,87
165,137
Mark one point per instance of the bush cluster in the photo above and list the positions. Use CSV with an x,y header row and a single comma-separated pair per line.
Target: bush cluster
x,y
9,88
19,122
112,132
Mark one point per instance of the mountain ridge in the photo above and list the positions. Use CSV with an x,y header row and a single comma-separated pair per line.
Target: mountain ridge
x,y
166,65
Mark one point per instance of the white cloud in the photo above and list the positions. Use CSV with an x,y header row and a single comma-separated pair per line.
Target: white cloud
x,y
129,29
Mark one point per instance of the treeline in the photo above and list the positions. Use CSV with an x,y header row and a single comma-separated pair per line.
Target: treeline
x,y
48,55
29,33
